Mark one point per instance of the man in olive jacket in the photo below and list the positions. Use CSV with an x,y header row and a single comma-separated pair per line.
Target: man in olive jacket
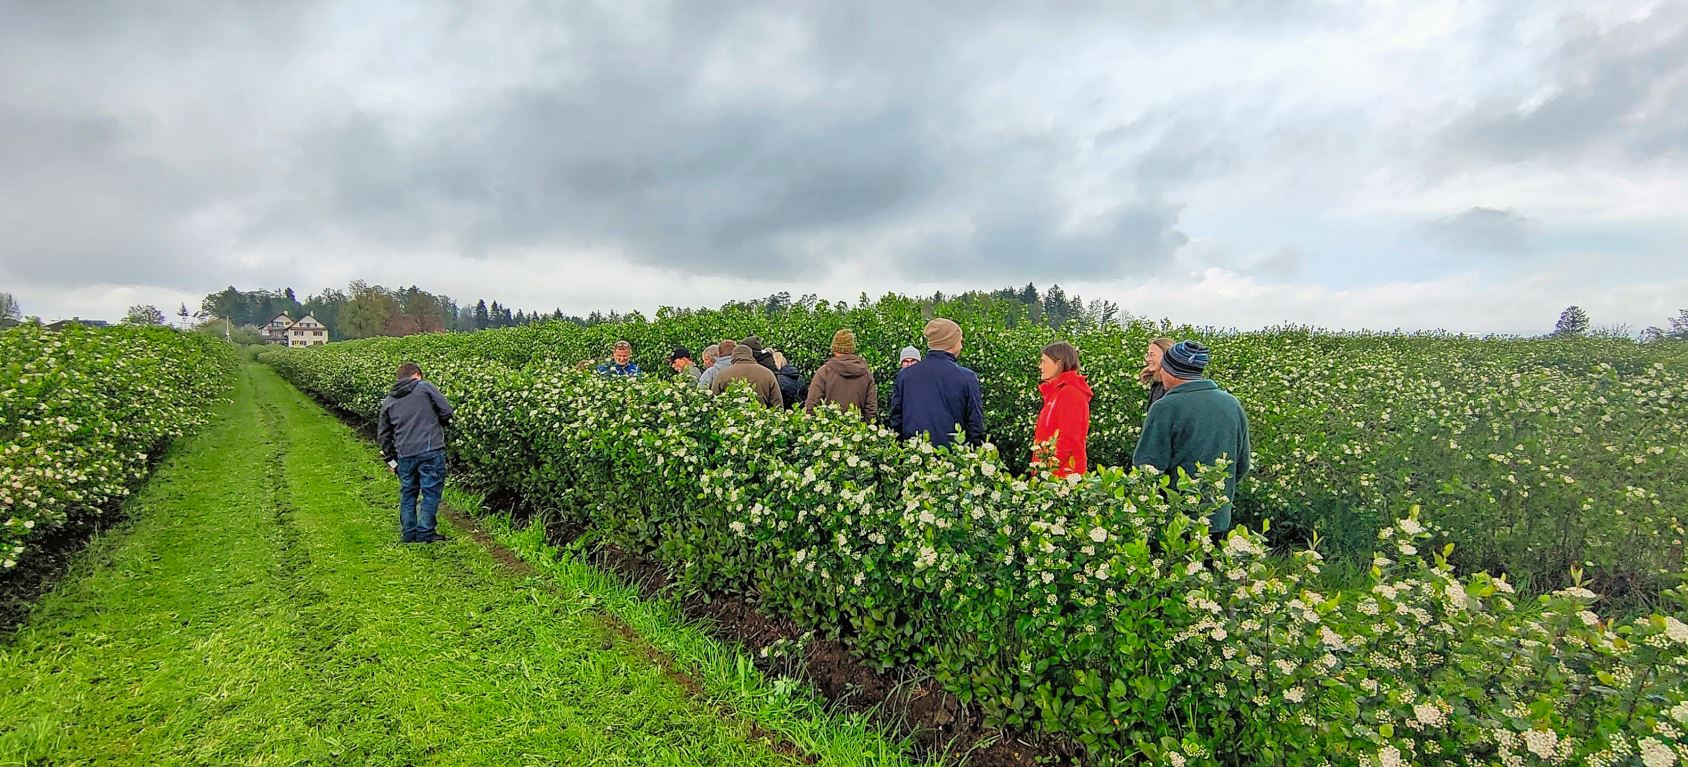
x,y
1195,423
845,379
746,368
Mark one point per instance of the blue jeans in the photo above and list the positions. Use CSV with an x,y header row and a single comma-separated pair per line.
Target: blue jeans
x,y
424,475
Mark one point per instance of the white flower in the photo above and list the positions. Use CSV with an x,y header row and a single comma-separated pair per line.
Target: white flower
x,y
1098,535
1427,714
1175,759
737,527
1411,526
1542,743
1295,694
1676,630
1390,756
1679,712
1656,754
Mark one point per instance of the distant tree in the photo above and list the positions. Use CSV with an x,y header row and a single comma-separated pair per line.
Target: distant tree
x,y
1572,322
367,311
1676,328
402,325
10,313
1056,310
1615,332
144,314
483,318
183,314
243,335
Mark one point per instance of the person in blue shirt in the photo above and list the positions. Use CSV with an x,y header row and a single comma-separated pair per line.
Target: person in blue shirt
x,y
937,396
622,364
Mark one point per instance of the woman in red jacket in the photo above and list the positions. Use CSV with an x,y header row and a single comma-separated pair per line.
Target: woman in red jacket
x,y
1065,417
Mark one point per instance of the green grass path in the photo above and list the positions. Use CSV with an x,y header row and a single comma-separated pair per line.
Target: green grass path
x,y
259,610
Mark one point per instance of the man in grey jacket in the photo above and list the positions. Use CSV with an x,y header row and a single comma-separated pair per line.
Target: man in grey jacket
x,y
411,431
723,360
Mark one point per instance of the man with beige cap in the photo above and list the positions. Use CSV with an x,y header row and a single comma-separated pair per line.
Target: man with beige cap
x,y
936,396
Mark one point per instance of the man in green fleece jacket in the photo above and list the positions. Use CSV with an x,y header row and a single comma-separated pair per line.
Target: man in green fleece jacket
x,y
1195,423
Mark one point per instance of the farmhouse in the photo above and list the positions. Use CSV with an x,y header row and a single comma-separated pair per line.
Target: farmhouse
x,y
306,332
275,331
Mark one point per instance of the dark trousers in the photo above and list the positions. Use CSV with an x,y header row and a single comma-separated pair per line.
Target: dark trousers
x,y
421,479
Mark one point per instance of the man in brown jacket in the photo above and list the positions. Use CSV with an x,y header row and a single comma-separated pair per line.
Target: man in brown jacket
x,y
845,379
746,368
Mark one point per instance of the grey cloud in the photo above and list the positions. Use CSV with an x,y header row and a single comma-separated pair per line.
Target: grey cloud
x,y
1483,230
626,136
1624,88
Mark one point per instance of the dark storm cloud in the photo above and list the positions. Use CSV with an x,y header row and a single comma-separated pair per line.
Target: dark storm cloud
x,y
1621,90
651,130
1483,230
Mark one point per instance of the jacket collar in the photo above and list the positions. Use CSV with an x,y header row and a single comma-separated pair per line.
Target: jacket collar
x,y
1200,384
941,354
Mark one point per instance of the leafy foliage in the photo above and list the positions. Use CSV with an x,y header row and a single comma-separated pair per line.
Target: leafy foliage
x,y
144,314
1536,455
82,410
1101,608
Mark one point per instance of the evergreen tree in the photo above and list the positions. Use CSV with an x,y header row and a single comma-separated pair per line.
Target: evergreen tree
x,y
1572,322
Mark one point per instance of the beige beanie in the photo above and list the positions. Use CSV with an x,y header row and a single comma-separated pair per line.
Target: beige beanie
x,y
942,334
844,342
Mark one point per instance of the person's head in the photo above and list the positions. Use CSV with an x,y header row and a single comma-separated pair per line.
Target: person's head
x,y
1152,359
754,342
910,356
1185,361
409,371
1057,358
779,359
727,347
623,352
943,336
711,353
843,342
680,358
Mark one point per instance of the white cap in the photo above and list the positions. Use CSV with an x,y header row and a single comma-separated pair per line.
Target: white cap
x,y
909,353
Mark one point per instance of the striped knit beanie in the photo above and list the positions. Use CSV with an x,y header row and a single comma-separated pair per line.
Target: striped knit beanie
x,y
1186,360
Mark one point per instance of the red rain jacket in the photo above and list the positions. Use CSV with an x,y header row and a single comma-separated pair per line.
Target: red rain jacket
x,y
1066,418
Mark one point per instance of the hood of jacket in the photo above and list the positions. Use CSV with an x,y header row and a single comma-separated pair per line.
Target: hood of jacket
x,y
1071,382
742,353
849,366
403,388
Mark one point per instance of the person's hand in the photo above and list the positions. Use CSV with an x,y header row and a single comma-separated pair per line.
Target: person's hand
x,y
393,466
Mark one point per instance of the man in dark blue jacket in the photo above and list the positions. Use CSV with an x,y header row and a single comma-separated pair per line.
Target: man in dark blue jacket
x,y
936,396
411,432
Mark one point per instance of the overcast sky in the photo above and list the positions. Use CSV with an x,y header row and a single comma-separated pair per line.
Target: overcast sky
x,y
1471,165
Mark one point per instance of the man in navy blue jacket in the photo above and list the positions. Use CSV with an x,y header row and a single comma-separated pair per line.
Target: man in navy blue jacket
x,y
936,396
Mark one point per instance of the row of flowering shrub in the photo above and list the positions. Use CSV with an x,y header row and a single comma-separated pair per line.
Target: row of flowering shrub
x,y
1535,455
1099,609
82,411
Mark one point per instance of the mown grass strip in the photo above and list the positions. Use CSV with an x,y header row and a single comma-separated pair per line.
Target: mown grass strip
x,y
259,610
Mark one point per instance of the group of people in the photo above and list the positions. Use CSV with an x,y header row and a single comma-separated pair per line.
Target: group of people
x,y
1191,421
